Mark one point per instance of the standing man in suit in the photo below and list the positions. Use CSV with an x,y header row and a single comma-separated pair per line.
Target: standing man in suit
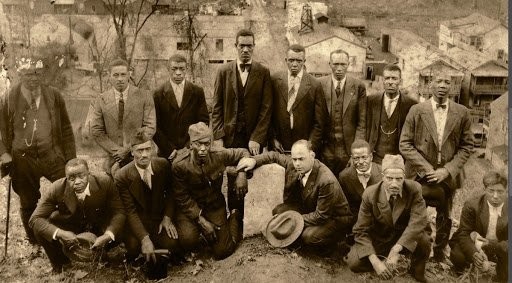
x,y
436,142
118,113
391,220
145,189
355,179
178,104
242,105
312,190
386,115
299,110
483,232
80,202
37,137
346,102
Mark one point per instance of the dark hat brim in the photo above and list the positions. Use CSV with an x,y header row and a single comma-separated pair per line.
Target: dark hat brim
x,y
281,243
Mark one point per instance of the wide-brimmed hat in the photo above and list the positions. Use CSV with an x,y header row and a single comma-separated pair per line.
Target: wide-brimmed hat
x,y
283,229
82,251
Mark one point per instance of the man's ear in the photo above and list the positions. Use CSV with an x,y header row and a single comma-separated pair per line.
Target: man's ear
x,y
313,154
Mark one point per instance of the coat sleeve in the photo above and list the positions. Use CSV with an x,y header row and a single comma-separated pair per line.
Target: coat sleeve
x,y
363,241
361,108
218,106
260,132
98,128
466,226
407,146
45,207
273,157
464,147
122,183
170,197
417,222
68,138
149,118
203,115
321,119
116,207
328,193
185,201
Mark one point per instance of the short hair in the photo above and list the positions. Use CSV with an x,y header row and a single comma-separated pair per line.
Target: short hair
x,y
76,162
392,68
118,62
338,51
178,58
244,32
494,177
139,137
297,48
359,143
305,143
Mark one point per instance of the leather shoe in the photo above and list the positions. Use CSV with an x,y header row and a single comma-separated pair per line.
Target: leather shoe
x,y
418,272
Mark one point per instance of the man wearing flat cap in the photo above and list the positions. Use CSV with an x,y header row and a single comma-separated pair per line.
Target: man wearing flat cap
x,y
37,137
392,220
197,174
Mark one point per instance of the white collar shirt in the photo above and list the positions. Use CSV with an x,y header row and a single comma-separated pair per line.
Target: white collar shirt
x,y
390,104
124,94
305,178
494,213
362,179
178,91
145,174
440,116
293,87
87,192
335,82
245,73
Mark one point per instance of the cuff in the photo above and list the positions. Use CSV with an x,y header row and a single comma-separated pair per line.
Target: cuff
x,y
54,236
110,234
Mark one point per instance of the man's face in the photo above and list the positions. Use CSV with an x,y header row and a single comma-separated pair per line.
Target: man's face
x,y
142,154
201,148
496,194
303,158
31,79
245,47
295,61
339,64
393,180
77,177
441,84
392,81
362,158
178,70
119,76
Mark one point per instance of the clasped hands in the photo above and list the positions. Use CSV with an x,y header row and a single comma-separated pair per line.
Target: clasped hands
x,y
384,269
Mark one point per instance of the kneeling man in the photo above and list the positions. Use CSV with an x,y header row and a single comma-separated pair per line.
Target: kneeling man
x,y
483,231
80,202
392,219
312,190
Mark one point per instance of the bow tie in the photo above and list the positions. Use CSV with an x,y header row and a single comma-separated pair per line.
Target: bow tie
x,y
245,67
442,106
366,175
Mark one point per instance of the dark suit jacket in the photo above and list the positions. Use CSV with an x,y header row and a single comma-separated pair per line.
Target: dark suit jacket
x,y
375,106
59,208
258,103
173,121
419,145
354,108
143,219
353,188
320,200
378,227
62,132
310,116
475,217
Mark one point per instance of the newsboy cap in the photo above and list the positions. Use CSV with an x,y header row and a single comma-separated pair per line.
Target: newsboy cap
x,y
393,162
199,131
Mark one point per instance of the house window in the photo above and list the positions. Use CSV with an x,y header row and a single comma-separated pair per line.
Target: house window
x,y
219,44
182,46
501,54
475,41
93,8
215,61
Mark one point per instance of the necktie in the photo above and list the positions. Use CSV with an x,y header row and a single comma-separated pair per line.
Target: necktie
x,y
245,67
392,200
365,175
389,105
121,112
300,180
291,94
338,89
33,103
147,178
442,106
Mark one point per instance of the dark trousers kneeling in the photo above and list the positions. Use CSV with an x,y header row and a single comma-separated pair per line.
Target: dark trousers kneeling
x,y
224,246
495,253
440,197
160,241
320,238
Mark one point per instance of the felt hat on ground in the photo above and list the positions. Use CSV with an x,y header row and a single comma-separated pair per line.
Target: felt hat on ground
x,y
283,229
81,252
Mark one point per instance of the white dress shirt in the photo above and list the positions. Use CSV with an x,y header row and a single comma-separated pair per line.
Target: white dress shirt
x,y
178,91
304,179
335,82
124,94
293,82
494,213
148,172
362,179
440,115
390,104
245,73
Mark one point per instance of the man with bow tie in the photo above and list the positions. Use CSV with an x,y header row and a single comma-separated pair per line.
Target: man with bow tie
x,y
363,173
436,142
299,110
145,189
80,202
483,231
36,135
345,98
118,113
312,190
386,115
392,220
242,105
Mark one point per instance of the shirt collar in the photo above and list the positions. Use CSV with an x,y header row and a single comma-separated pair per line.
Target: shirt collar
x,y
434,104
387,99
299,75
27,93
335,81
366,172
175,85
141,170
124,93
85,193
238,62
388,195
495,209
306,176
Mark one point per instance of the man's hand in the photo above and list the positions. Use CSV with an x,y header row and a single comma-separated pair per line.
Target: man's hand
x,y
168,227
278,146
173,155
67,238
380,268
5,158
254,148
218,143
437,176
393,256
246,164
121,154
147,249
101,241
241,187
479,258
208,229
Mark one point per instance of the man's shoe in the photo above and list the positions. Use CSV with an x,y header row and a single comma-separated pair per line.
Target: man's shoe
x,y
418,271
234,229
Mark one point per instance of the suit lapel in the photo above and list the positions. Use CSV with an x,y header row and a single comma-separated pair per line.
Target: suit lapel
x,y
94,190
502,224
328,94
187,95
356,184
349,92
399,205
251,78
308,190
305,85
70,198
111,105
383,204
452,119
169,95
428,117
377,114
484,216
233,78
283,86
131,104
136,187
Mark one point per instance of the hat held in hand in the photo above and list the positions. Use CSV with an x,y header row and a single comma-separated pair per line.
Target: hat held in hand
x,y
283,229
81,252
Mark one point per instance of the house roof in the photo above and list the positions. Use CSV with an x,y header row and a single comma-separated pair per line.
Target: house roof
x,y
474,24
321,33
500,102
353,22
404,36
319,15
64,2
477,62
491,68
422,57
